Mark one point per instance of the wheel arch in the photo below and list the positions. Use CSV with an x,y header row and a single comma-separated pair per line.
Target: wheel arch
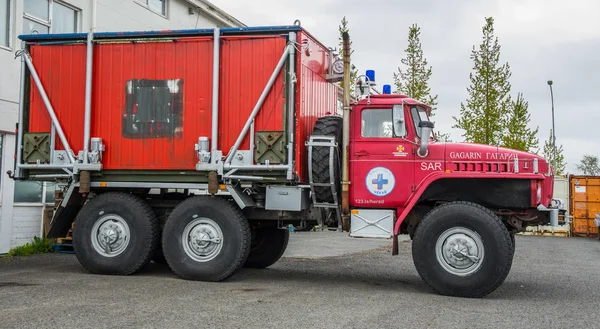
x,y
444,187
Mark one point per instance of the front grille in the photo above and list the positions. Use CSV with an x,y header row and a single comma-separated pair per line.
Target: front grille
x,y
494,167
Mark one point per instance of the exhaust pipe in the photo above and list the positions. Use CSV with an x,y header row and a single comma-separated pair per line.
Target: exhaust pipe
x,y
346,135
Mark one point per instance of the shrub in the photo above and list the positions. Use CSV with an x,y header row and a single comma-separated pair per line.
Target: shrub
x,y
37,246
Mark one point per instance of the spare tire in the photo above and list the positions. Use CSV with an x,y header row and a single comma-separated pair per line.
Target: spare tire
x,y
327,126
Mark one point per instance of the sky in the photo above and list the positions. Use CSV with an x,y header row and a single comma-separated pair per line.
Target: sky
x,y
540,39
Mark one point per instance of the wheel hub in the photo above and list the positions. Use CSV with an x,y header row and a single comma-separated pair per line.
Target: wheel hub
x,y
202,239
110,235
460,251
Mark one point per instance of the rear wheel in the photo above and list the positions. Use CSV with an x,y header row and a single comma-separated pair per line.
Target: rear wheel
x,y
462,249
115,233
206,238
267,247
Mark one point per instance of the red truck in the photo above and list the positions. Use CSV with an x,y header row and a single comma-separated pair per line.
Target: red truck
x,y
199,147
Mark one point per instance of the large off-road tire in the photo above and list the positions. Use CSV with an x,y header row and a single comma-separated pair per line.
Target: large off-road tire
x,y
327,126
267,247
162,214
469,228
206,239
128,224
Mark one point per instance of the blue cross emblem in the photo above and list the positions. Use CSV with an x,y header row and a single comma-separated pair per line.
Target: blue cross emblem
x,y
380,181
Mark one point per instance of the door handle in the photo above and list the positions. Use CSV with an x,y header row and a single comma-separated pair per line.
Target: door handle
x,y
362,153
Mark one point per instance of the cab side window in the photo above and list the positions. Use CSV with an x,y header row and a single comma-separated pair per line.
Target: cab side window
x,y
377,123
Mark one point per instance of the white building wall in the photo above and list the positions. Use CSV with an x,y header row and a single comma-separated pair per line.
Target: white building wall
x,y
7,186
23,220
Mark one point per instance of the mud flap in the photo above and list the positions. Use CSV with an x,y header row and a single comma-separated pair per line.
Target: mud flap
x,y
394,245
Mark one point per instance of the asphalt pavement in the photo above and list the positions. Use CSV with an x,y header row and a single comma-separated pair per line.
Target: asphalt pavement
x,y
325,280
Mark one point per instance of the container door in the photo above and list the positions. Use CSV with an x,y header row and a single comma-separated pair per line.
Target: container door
x,y
381,160
585,196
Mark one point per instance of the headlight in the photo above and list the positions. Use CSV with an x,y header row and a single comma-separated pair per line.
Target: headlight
x,y
539,191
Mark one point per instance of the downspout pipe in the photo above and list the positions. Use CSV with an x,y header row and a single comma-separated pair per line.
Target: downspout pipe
x,y
19,148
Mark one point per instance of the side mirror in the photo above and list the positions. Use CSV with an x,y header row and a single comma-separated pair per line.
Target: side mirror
x,y
398,118
425,128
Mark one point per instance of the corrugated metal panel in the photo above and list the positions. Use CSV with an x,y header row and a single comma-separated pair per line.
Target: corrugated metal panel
x,y
62,72
585,204
246,65
316,98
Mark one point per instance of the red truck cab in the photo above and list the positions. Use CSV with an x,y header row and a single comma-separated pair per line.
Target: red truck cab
x,y
461,203
392,167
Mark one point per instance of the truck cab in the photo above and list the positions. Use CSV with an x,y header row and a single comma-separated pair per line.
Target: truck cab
x,y
460,203
396,162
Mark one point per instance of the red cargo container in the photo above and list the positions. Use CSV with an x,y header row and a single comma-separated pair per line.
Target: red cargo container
x,y
150,113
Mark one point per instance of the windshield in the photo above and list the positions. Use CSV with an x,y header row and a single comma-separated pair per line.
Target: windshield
x,y
418,114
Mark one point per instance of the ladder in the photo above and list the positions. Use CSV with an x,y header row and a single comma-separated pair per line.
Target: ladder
x,y
325,141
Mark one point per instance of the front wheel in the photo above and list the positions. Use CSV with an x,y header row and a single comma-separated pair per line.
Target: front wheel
x,y
462,249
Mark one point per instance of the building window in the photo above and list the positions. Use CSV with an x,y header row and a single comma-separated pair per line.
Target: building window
x,y
157,6
49,16
5,23
28,192
34,192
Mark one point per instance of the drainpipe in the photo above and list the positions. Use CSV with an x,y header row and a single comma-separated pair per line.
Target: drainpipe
x,y
94,9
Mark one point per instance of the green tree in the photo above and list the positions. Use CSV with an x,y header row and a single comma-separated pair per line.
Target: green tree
x,y
589,165
548,154
414,80
518,135
343,27
482,117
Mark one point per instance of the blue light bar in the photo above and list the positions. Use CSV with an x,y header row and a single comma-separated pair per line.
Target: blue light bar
x,y
387,89
371,75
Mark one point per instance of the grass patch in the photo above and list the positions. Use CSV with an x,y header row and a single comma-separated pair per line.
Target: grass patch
x,y
37,246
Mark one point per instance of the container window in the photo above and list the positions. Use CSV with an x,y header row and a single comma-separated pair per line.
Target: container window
x,y
5,23
153,109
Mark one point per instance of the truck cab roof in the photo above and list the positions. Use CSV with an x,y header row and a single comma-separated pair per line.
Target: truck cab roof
x,y
391,99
